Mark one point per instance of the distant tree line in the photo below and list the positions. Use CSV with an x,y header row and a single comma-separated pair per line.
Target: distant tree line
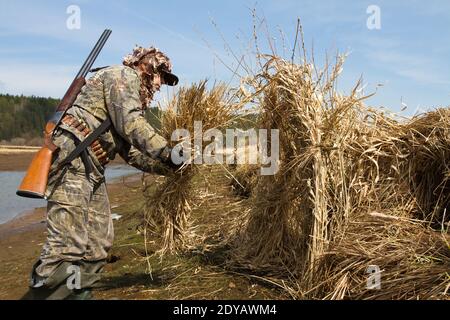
x,y
22,118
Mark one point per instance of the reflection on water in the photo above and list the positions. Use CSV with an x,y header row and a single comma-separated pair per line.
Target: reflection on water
x,y
11,204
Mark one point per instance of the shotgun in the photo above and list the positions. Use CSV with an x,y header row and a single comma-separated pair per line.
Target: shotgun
x,y
35,181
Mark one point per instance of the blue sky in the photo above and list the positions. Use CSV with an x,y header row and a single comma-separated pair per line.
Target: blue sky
x,y
409,56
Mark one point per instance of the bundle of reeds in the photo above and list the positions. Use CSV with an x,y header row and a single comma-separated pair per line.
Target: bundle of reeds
x,y
413,260
243,179
427,144
388,216
168,208
340,161
402,165
291,208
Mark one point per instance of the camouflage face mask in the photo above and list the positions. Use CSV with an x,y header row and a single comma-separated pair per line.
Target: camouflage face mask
x,y
147,62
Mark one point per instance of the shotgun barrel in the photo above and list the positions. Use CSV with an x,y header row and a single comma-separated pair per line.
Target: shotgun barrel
x,y
35,181
87,65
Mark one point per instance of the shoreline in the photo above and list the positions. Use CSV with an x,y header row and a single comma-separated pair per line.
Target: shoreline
x,y
17,159
26,221
22,239
33,217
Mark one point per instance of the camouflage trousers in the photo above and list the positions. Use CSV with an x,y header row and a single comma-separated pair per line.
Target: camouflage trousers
x,y
79,225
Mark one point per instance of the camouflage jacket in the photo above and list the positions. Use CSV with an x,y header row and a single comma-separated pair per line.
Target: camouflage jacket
x,y
114,92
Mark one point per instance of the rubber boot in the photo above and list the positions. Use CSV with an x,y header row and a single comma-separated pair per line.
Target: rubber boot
x,y
59,293
82,294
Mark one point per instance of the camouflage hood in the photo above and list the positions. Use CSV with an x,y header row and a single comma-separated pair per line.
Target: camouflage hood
x,y
154,61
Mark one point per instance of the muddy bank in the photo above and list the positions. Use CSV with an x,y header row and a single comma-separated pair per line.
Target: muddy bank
x,y
15,161
27,221
22,238
197,274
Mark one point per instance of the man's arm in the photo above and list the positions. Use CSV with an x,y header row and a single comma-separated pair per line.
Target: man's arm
x,y
121,89
142,162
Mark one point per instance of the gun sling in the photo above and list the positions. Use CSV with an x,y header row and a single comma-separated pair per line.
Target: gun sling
x,y
81,147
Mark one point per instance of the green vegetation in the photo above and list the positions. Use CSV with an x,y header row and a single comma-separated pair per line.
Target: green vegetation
x,y
22,119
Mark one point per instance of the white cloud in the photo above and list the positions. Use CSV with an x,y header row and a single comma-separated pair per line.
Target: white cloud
x,y
32,79
423,75
320,12
18,18
415,67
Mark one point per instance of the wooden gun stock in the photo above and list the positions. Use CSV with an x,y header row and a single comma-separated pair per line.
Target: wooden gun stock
x,y
34,183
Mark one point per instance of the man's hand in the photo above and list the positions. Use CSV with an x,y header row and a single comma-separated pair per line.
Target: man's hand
x,y
166,158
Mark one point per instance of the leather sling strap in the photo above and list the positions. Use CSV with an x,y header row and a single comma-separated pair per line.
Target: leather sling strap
x,y
86,142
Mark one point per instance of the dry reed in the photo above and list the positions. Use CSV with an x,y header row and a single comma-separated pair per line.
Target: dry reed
x,y
340,161
168,208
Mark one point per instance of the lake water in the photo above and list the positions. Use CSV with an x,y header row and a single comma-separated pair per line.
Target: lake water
x,y
11,205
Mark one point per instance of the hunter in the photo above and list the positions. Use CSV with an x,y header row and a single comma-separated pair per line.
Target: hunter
x,y
79,224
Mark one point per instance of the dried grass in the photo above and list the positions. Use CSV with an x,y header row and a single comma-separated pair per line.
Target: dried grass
x,y
356,187
340,161
414,261
244,179
168,208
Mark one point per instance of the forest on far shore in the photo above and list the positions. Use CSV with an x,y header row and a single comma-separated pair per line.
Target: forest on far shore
x,y
22,118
